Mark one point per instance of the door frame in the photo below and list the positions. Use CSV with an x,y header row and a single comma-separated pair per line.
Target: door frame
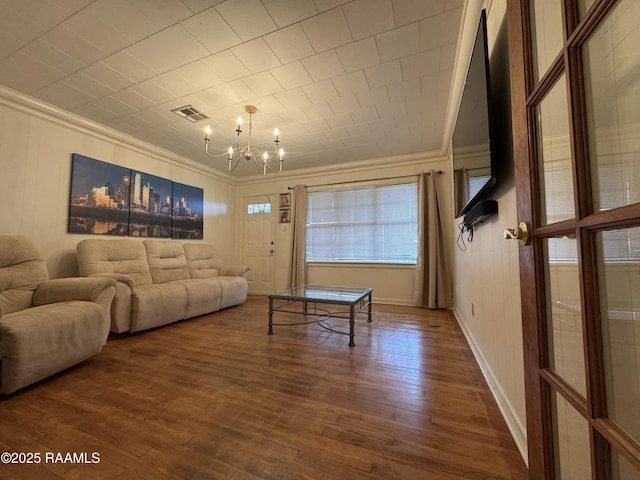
x,y
540,380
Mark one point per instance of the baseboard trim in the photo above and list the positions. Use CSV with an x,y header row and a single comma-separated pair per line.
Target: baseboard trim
x,y
515,426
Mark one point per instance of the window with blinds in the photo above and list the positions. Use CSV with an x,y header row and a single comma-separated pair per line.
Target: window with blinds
x,y
368,224
618,184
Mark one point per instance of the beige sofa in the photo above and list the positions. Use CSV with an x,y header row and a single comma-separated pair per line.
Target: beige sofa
x,y
161,281
46,325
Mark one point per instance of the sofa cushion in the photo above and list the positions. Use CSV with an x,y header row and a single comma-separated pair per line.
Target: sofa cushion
x,y
203,295
128,257
155,305
167,262
202,260
21,271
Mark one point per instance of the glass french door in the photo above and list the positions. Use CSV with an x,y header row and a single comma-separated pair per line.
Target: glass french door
x,y
575,80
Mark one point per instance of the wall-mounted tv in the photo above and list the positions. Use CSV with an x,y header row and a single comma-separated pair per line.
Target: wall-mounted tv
x,y
474,162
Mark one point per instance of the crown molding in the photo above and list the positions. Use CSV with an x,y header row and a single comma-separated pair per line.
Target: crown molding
x,y
31,106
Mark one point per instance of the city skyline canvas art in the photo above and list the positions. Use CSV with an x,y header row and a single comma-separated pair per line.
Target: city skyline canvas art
x,y
108,199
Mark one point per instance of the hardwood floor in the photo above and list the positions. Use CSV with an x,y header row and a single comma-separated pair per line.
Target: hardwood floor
x,y
217,398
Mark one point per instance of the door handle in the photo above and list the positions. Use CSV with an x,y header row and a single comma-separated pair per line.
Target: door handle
x,y
521,233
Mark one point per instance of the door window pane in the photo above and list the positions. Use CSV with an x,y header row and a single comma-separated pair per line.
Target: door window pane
x,y
571,441
564,318
554,151
621,469
546,32
612,81
619,280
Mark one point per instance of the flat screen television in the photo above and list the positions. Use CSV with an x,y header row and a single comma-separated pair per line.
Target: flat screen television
x,y
474,152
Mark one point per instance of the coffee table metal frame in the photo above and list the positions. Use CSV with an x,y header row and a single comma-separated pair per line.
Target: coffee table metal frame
x,y
357,299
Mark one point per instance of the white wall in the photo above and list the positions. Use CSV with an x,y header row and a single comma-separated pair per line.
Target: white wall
x,y
487,282
36,143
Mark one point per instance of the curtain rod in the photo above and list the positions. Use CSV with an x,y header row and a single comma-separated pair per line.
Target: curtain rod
x,y
368,180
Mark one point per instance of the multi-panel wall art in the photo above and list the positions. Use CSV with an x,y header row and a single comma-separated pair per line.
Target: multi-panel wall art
x,y
108,199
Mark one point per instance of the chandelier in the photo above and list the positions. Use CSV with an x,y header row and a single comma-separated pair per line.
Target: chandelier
x,y
260,158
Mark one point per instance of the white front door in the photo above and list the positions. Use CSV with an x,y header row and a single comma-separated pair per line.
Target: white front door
x,y
259,242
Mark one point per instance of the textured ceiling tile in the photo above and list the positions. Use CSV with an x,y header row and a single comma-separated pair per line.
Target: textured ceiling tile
x,y
256,55
197,6
125,18
409,11
318,110
212,31
373,97
440,30
286,12
350,83
293,97
226,66
398,43
320,91
369,17
89,25
293,115
447,56
23,73
73,44
262,84
327,30
384,74
153,91
188,79
324,5
168,49
162,13
64,95
95,112
420,65
344,104
324,65
103,73
359,55
289,44
133,99
404,90
44,14
248,18
53,57
336,122
128,66
292,75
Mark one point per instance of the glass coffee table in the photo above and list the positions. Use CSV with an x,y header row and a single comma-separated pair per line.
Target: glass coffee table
x,y
308,297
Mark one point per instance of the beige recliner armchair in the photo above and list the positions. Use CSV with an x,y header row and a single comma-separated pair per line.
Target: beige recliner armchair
x,y
46,325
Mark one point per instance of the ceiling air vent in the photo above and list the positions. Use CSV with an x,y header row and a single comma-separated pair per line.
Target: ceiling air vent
x,y
189,113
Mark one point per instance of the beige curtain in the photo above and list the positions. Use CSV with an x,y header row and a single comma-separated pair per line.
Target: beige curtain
x,y
298,271
433,287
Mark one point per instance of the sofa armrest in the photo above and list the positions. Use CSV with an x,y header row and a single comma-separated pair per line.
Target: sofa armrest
x,y
118,277
234,270
98,290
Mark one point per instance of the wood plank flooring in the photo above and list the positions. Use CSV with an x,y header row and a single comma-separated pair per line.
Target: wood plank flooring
x,y
217,398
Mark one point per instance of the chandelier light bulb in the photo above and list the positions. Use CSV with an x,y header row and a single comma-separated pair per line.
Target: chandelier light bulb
x,y
239,120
